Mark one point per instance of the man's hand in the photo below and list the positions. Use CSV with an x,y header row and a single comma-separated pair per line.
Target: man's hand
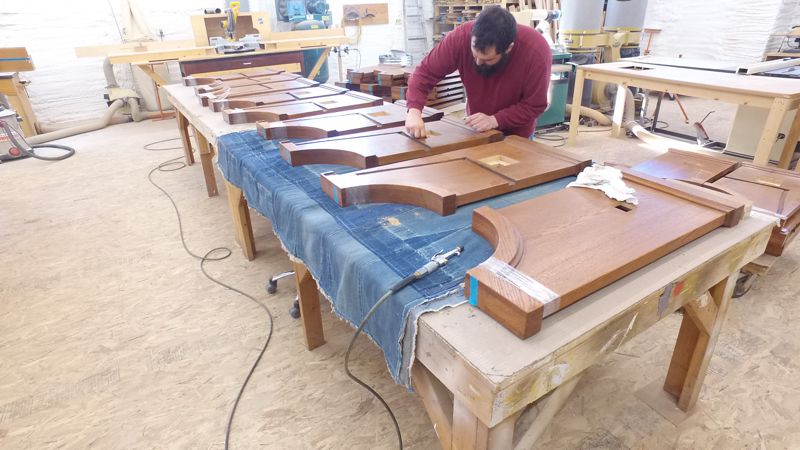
x,y
481,122
415,126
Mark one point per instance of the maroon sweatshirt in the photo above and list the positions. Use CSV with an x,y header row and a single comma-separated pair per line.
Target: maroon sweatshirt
x,y
515,95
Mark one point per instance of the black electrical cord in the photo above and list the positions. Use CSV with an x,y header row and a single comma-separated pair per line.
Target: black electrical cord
x,y
438,260
172,165
21,146
397,287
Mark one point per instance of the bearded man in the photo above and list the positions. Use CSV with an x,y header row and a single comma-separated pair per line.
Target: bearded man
x,y
505,68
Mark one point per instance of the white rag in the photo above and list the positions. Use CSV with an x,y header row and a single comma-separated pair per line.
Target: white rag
x,y
607,179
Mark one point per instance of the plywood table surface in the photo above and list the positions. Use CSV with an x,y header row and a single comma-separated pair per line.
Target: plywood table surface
x,y
778,95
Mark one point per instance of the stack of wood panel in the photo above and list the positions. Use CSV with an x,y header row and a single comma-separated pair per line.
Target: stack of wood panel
x,y
390,82
772,190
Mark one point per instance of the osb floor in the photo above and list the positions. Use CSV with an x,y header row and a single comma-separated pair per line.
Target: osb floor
x,y
110,336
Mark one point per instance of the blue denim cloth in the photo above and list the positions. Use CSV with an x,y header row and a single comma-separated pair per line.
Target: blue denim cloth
x,y
356,253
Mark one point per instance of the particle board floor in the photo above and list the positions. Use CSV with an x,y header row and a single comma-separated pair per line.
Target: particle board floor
x,y
110,336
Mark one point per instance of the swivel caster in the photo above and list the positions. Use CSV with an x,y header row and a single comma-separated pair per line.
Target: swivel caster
x,y
295,311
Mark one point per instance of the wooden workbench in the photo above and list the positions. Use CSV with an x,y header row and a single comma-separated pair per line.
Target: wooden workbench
x,y
207,126
476,378
778,95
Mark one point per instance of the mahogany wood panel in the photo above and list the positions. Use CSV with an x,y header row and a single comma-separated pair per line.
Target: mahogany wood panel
x,y
301,108
385,146
689,166
217,63
265,79
342,123
774,190
554,250
256,89
444,182
195,81
251,101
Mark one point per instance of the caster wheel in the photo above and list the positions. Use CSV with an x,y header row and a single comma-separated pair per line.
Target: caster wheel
x,y
295,311
272,286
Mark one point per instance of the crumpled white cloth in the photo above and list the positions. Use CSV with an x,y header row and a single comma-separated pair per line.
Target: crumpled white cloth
x,y
607,179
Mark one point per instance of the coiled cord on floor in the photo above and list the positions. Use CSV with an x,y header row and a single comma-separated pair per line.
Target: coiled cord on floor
x,y
172,165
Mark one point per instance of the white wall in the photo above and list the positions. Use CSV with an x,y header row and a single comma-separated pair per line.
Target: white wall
x,y
65,88
719,30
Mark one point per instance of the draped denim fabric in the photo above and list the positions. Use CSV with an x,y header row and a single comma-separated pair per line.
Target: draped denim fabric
x,y
356,253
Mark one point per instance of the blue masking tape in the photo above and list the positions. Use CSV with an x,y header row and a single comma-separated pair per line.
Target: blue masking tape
x,y
473,291
336,194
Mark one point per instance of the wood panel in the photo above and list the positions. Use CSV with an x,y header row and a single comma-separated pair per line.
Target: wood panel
x,y
444,182
218,63
385,146
15,59
342,123
263,88
543,262
247,85
251,101
694,167
220,85
301,108
773,190
192,80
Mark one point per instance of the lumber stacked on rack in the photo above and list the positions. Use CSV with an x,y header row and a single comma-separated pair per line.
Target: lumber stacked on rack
x,y
390,82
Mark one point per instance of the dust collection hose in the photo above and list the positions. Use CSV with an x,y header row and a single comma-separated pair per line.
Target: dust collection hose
x,y
28,150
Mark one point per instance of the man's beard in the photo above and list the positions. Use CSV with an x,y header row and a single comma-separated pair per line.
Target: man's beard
x,y
487,71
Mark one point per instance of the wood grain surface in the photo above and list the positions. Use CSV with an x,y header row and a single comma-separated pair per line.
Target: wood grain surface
x,y
220,85
689,166
251,101
342,123
575,241
196,81
256,89
385,146
444,182
774,190
301,108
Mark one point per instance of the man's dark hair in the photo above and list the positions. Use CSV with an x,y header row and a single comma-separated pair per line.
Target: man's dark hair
x,y
496,28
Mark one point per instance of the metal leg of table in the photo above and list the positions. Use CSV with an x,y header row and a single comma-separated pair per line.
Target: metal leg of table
x,y
183,130
700,328
575,117
310,312
206,151
770,131
240,214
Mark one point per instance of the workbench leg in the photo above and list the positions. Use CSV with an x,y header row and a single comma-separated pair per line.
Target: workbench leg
x,y
437,401
694,347
207,161
770,132
470,433
240,214
617,127
183,130
310,313
575,116
791,143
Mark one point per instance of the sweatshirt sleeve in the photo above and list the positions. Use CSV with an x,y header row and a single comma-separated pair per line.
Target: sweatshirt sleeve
x,y
533,101
440,62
